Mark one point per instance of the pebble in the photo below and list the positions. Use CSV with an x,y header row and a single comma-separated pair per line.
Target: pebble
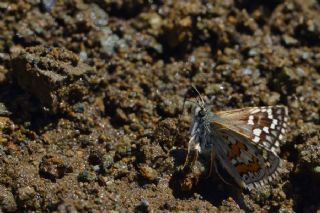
x,y
142,207
86,176
47,5
53,167
107,161
147,172
7,201
3,110
26,193
317,169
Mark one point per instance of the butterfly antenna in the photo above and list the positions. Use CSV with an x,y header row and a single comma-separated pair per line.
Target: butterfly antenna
x,y
183,104
199,95
184,101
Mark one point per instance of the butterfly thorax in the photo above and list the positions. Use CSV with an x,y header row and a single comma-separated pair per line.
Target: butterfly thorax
x,y
203,128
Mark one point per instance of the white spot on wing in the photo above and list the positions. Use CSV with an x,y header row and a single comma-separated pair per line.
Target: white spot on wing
x,y
269,111
280,136
279,111
250,120
256,139
274,133
275,121
234,161
266,129
268,138
250,186
257,132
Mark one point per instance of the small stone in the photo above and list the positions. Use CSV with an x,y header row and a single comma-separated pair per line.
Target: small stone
x,y
96,168
107,161
83,56
53,167
95,157
110,42
147,172
124,148
86,140
6,123
142,207
120,169
289,41
26,193
78,107
7,201
47,5
317,169
253,52
86,176
247,71
103,138
121,116
67,206
187,183
169,107
273,98
3,110
98,15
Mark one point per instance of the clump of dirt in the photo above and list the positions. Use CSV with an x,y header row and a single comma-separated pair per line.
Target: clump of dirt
x,y
44,73
91,99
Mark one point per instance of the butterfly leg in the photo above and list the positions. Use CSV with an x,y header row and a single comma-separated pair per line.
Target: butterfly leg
x,y
219,175
193,153
212,159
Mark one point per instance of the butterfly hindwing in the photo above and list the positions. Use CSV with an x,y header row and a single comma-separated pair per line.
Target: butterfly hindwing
x,y
248,164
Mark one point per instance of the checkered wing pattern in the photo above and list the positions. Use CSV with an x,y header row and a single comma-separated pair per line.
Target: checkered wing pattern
x,y
252,137
264,126
251,166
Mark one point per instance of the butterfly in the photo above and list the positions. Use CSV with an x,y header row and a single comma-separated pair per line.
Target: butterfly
x,y
245,142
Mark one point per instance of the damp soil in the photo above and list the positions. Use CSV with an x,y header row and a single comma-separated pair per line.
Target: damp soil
x,y
91,96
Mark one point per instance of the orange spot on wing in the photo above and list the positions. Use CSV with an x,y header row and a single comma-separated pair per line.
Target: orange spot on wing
x,y
250,167
235,149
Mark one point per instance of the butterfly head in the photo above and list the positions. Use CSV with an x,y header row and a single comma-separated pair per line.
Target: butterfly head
x,y
200,111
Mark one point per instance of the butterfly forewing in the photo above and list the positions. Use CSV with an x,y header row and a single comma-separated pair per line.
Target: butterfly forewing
x,y
264,126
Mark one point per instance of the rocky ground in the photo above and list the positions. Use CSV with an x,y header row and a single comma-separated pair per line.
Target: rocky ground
x,y
91,94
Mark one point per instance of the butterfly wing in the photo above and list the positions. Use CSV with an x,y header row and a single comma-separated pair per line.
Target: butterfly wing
x,y
264,126
249,165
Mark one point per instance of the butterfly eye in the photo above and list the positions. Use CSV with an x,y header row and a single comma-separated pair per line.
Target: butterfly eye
x,y
201,113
